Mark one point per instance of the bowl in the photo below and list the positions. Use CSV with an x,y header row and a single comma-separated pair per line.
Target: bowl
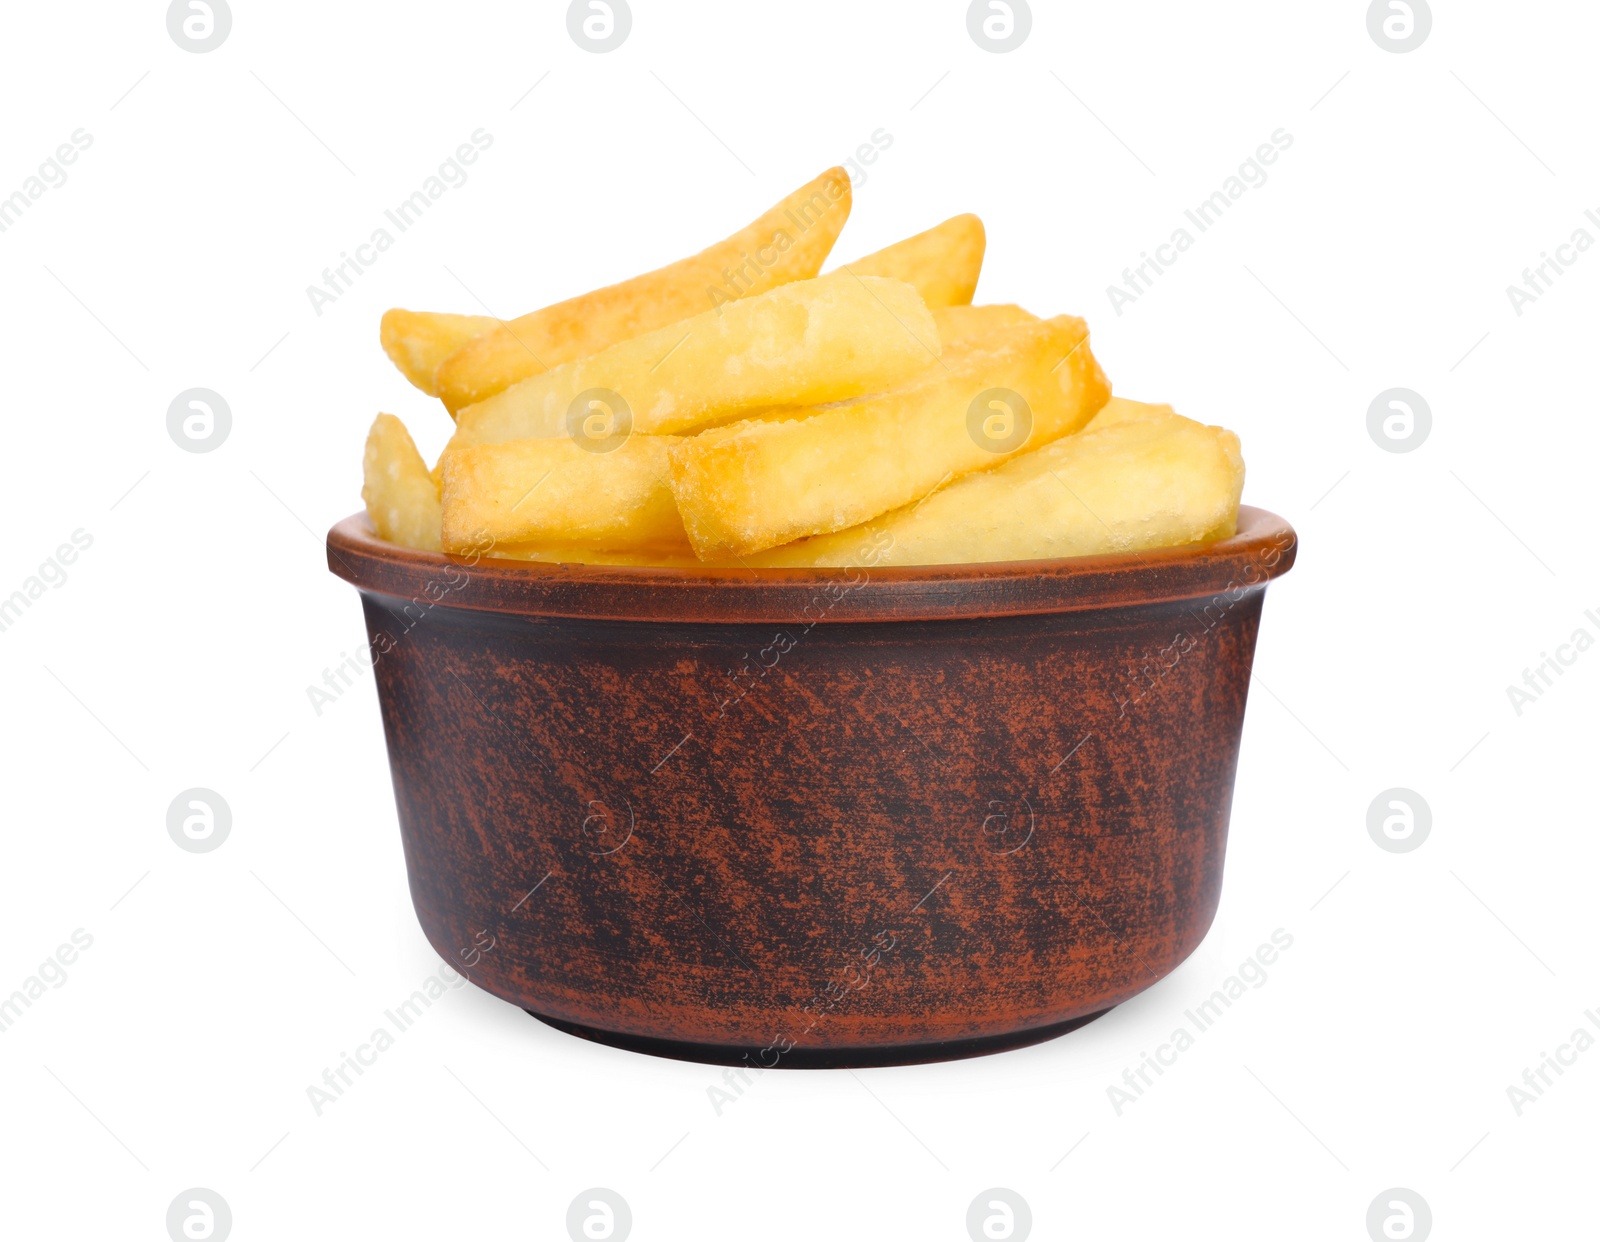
x,y
815,817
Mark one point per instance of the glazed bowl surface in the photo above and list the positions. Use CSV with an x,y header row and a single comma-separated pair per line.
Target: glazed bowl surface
x,y
815,817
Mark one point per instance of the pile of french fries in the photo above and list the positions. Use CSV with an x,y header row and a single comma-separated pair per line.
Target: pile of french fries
x,y
737,408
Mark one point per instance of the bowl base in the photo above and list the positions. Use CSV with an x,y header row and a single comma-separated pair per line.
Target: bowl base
x,y
824,1058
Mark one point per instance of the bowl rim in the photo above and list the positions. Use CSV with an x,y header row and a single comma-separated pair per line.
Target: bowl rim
x,y
1262,548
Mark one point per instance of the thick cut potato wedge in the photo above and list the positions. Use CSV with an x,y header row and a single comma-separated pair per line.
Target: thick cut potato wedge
x,y
762,483
1121,410
1132,485
572,554
789,242
943,262
402,501
556,492
962,330
971,332
959,324
800,344
418,341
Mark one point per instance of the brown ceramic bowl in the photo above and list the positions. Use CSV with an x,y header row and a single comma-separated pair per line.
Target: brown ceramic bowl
x,y
803,817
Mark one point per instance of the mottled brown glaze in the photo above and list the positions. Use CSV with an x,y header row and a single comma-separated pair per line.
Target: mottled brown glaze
x,y
815,817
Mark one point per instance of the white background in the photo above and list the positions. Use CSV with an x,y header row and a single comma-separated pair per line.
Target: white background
x,y
179,649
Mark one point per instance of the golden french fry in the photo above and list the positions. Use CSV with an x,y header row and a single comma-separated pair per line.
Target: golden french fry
x,y
418,341
975,329
762,483
1121,410
558,492
570,554
402,501
962,330
959,324
788,243
942,263
802,343
1132,485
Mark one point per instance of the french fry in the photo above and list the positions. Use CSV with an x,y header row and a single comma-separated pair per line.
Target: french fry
x,y
943,262
402,501
962,330
1135,484
759,484
802,343
418,341
569,554
973,329
557,492
1121,410
959,324
789,242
